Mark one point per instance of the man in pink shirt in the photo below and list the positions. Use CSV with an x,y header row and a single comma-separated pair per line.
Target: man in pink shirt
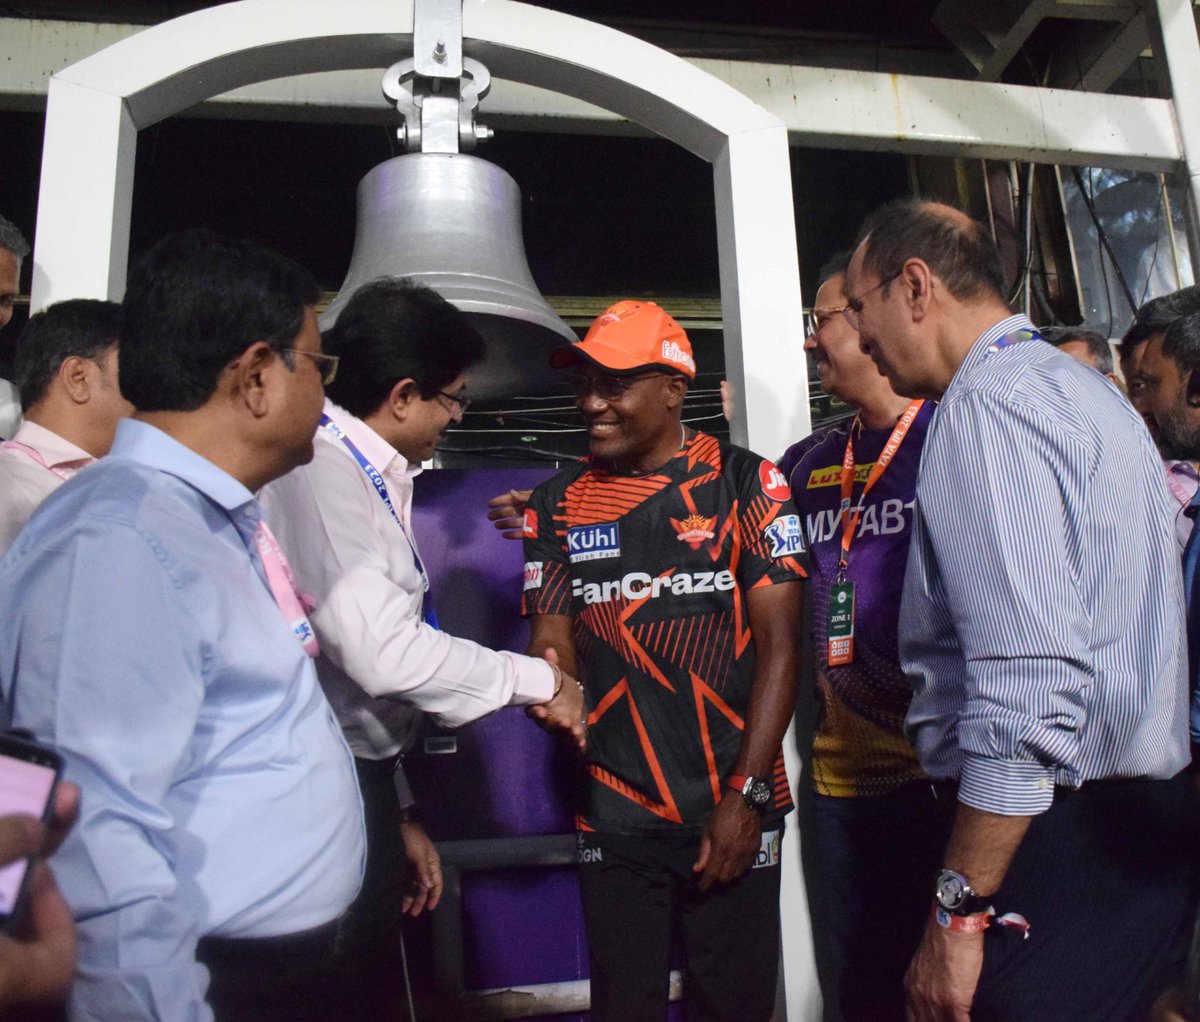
x,y
66,370
1150,323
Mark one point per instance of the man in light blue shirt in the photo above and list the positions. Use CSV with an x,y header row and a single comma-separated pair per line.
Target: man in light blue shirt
x,y
1042,630
147,635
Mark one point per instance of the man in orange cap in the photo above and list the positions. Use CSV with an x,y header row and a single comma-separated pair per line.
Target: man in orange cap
x,y
660,570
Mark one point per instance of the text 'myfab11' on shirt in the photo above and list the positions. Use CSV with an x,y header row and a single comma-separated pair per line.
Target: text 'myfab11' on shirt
x,y
859,749
654,569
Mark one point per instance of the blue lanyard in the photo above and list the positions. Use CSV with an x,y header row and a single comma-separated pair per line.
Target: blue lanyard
x,y
1024,334
376,477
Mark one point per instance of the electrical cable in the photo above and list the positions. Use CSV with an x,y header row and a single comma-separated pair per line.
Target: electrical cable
x,y
530,429
1162,198
712,393
513,453
1107,246
1103,272
1024,235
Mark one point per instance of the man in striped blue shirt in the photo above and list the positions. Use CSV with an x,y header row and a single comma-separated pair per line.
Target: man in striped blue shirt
x,y
1042,627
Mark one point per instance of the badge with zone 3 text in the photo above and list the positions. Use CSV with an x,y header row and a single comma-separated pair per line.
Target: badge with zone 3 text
x,y
841,624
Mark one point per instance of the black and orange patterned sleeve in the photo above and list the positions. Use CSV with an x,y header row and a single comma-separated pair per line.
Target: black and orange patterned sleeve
x,y
772,537
547,585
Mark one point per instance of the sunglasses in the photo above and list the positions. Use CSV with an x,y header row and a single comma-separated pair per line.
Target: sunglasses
x,y
607,388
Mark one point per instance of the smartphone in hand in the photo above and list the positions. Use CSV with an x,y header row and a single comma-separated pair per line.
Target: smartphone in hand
x,y
29,773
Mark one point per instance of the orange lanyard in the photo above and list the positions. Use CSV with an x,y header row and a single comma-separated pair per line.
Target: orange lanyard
x,y
850,517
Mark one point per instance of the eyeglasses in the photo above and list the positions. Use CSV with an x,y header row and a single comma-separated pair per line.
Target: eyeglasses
x,y
461,399
607,388
854,306
327,364
822,315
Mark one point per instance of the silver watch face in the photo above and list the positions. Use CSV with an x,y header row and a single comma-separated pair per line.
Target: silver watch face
x,y
757,793
952,890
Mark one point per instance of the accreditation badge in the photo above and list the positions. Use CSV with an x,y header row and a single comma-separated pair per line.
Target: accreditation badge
x,y
841,624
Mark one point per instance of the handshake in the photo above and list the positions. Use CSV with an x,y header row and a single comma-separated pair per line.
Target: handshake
x,y
565,712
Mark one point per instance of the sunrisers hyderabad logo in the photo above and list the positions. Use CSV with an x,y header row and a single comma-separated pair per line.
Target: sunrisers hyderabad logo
x,y
774,482
694,530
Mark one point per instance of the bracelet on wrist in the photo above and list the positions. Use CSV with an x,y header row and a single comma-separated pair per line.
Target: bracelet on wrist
x,y
977,922
558,681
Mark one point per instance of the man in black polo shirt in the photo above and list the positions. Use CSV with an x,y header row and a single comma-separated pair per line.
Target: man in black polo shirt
x,y
658,569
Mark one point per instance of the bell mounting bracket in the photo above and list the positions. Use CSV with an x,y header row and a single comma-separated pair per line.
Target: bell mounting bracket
x,y
437,90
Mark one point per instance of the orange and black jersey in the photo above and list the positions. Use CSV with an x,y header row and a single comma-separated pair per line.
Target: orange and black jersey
x,y
654,570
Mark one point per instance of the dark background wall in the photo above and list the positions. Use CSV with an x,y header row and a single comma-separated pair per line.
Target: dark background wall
x,y
603,215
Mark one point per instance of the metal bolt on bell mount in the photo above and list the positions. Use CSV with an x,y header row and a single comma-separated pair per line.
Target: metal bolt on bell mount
x,y
446,87
450,220
440,120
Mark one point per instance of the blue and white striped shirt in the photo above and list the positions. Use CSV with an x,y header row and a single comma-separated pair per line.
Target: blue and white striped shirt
x,y
1042,623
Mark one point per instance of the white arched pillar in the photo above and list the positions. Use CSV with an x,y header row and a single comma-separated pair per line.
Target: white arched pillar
x,y
97,106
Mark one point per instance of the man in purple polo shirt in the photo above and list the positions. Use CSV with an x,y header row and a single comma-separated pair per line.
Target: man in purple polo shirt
x,y
875,835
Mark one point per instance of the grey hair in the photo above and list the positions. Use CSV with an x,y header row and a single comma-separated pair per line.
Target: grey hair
x,y
12,239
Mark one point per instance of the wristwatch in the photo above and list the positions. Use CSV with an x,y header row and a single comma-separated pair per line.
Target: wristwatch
x,y
953,893
755,790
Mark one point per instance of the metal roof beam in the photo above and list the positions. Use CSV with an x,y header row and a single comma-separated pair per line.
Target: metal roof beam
x,y
820,106
1096,64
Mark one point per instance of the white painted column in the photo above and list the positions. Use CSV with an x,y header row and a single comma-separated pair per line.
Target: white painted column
x,y
86,196
760,291
764,360
1180,51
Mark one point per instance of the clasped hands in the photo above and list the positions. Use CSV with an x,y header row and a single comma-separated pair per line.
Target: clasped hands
x,y
566,713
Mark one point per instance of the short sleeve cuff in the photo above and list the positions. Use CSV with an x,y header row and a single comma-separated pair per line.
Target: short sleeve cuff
x,y
1006,788
535,681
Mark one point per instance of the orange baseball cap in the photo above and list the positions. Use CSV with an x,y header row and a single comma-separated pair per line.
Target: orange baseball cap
x,y
631,335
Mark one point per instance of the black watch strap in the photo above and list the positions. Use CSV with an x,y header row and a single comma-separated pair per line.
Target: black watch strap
x,y
954,894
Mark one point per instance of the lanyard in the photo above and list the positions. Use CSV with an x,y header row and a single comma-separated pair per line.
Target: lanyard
x,y
376,478
29,452
850,517
1178,490
291,602
1024,334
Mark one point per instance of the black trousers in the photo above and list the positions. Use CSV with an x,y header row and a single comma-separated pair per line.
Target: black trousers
x,y
369,961
632,887
872,863
349,971
289,978
1108,879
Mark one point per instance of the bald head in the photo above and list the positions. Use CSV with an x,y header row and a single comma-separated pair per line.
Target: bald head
x,y
956,248
923,284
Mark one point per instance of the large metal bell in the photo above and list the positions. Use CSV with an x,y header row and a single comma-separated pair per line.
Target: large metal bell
x,y
453,222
